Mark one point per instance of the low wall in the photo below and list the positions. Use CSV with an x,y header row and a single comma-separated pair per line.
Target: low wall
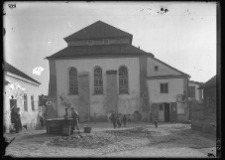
x,y
200,119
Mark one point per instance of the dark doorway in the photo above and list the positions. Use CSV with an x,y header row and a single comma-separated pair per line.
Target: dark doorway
x,y
167,112
13,102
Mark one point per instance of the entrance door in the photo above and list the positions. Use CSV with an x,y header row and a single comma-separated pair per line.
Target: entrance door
x,y
167,112
84,101
13,102
112,97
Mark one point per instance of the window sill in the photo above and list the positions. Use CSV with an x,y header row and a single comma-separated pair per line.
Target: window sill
x,y
73,94
100,94
123,93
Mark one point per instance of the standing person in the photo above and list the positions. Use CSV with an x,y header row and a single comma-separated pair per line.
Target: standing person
x,y
124,120
119,119
19,124
95,118
14,118
113,119
128,119
75,121
156,123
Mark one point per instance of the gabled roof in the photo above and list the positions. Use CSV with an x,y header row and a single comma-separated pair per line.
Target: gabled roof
x,y
191,81
209,83
13,70
99,51
98,30
172,67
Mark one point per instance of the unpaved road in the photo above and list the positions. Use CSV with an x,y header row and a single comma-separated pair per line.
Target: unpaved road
x,y
168,140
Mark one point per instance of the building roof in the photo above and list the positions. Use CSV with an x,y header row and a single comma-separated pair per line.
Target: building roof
x,y
171,67
99,51
98,30
200,83
13,70
209,83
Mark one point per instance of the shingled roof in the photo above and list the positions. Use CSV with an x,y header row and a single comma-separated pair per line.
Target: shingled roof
x,y
101,51
98,30
209,83
13,70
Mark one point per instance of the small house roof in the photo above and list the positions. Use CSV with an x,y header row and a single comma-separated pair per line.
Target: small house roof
x,y
209,83
14,70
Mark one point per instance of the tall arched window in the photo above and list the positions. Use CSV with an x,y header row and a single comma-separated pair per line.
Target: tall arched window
x,y
123,80
73,83
98,83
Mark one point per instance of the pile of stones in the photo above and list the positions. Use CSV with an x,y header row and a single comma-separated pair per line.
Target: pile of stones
x,y
134,132
98,139
90,140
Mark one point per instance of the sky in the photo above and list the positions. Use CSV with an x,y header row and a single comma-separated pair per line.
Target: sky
x,y
181,34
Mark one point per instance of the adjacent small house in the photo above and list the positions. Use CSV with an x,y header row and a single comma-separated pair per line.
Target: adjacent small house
x,y
194,93
209,100
100,71
203,115
20,91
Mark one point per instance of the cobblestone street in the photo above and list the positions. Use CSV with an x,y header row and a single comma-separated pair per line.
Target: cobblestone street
x,y
168,140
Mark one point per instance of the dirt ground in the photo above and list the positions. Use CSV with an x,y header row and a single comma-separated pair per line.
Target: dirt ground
x,y
136,140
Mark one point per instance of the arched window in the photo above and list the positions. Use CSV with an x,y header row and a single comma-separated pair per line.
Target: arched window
x,y
98,83
73,83
123,80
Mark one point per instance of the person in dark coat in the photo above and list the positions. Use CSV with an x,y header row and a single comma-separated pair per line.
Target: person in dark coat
x,y
119,120
113,120
75,121
18,121
124,120
129,118
13,118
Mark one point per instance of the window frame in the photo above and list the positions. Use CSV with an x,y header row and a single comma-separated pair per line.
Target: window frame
x,y
124,80
191,91
164,88
73,83
99,79
25,102
32,102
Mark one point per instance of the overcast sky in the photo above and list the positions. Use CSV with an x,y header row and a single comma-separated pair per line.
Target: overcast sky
x,y
183,37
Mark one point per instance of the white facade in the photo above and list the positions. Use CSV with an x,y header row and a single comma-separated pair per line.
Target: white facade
x,y
127,103
175,87
29,117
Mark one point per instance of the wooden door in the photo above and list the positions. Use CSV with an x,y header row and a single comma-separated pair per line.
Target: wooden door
x,y
84,100
167,112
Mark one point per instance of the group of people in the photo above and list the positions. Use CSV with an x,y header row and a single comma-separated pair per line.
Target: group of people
x,y
15,119
118,119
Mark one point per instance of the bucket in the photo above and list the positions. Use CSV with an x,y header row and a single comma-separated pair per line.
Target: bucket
x,y
87,129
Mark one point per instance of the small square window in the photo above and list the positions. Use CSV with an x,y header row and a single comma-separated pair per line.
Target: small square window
x,y
164,88
156,68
